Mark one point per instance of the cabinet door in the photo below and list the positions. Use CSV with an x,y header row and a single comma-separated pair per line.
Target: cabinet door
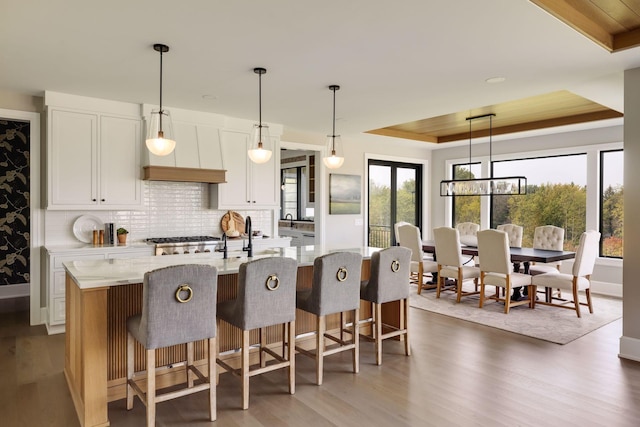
x,y
120,183
72,175
234,194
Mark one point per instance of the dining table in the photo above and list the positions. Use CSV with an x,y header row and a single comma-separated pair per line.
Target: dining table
x,y
524,256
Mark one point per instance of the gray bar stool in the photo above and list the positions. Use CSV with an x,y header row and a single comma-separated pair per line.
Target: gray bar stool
x,y
335,289
389,281
178,307
266,297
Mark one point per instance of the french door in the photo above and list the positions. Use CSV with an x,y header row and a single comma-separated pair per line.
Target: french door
x,y
395,194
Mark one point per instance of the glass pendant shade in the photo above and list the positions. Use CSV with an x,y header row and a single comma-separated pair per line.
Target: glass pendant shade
x,y
260,144
160,133
334,158
259,150
160,138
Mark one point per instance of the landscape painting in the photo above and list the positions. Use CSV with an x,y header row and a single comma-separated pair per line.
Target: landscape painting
x,y
344,194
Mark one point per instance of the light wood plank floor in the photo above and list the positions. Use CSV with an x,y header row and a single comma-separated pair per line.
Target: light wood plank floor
x,y
459,374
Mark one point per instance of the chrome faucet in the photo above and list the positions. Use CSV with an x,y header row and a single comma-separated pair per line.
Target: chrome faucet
x,y
290,219
249,247
224,248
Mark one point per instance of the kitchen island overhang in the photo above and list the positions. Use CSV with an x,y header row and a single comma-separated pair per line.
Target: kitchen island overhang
x,y
101,294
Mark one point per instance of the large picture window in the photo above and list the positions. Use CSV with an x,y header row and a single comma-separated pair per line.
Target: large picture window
x,y
466,208
556,195
611,203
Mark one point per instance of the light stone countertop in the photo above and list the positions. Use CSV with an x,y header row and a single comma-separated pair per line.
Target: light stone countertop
x,y
112,272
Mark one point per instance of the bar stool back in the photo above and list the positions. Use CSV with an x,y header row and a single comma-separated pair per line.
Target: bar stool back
x,y
178,307
266,297
335,289
389,281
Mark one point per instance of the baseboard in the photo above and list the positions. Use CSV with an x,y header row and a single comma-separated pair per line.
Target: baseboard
x,y
629,348
14,291
606,288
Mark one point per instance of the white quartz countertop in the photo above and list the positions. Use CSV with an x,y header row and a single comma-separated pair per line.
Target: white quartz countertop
x,y
112,272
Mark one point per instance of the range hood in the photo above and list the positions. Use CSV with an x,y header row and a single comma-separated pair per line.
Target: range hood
x,y
170,173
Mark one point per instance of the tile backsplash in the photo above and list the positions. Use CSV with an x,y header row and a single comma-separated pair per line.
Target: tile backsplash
x,y
169,209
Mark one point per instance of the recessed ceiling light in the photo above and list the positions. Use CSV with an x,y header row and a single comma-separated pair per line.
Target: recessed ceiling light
x,y
209,97
496,79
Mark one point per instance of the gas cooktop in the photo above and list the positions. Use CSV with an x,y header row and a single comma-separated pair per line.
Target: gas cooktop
x,y
182,239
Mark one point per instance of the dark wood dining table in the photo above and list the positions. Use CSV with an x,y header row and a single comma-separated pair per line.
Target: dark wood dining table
x,y
518,255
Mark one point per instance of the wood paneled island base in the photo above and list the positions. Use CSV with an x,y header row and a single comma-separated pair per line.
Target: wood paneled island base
x,y
95,357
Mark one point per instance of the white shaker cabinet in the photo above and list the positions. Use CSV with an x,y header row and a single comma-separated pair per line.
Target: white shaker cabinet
x,y
249,185
93,161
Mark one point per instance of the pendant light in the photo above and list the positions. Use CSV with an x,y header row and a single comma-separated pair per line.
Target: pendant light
x,y
160,133
334,158
259,151
505,186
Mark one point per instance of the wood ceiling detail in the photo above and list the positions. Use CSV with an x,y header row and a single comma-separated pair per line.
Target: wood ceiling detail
x,y
538,112
613,24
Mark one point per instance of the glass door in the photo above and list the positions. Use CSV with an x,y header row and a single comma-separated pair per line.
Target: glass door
x,y
394,196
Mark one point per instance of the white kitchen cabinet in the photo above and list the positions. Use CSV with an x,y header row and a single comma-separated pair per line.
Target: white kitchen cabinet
x,y
93,160
249,185
55,274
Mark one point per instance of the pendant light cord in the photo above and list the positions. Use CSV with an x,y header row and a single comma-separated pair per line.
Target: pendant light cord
x,y
333,133
160,111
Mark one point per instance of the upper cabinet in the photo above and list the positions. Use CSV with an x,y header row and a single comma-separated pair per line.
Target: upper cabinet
x,y
93,157
249,185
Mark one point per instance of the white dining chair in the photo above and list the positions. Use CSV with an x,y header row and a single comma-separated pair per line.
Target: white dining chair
x,y
514,232
551,238
496,270
451,263
580,277
410,238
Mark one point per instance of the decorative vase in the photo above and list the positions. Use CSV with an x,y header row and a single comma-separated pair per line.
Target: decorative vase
x,y
122,239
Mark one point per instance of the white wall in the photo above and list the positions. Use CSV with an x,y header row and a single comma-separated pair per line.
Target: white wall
x,y
343,231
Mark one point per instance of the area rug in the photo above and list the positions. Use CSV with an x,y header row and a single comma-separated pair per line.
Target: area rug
x,y
552,324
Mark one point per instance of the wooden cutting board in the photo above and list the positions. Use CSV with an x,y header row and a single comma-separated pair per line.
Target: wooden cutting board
x,y
232,221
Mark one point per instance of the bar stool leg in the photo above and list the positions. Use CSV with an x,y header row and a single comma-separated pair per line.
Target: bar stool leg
x,y
320,348
212,378
263,344
151,388
245,369
355,336
378,335
189,372
407,347
130,369
291,326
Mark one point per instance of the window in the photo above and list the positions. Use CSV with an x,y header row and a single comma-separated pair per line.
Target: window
x,y
556,195
394,196
294,193
611,203
466,208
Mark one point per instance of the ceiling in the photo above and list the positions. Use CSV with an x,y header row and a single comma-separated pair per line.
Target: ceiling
x,y
396,62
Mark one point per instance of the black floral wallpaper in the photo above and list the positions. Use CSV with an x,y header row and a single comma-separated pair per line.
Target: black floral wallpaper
x,y
14,202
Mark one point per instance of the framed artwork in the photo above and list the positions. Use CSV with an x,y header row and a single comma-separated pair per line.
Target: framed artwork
x,y
344,194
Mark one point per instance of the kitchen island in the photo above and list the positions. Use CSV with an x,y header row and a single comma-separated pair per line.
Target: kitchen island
x,y
101,294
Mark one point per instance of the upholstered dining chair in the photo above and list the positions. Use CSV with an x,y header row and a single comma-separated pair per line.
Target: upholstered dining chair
x,y
335,288
580,277
389,281
496,269
266,297
178,307
451,264
551,238
396,231
468,233
514,232
410,238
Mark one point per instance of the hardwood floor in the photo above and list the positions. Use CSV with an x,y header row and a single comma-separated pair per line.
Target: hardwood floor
x,y
459,374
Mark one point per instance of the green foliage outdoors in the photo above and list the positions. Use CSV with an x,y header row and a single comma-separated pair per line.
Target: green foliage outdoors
x,y
380,227
562,205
